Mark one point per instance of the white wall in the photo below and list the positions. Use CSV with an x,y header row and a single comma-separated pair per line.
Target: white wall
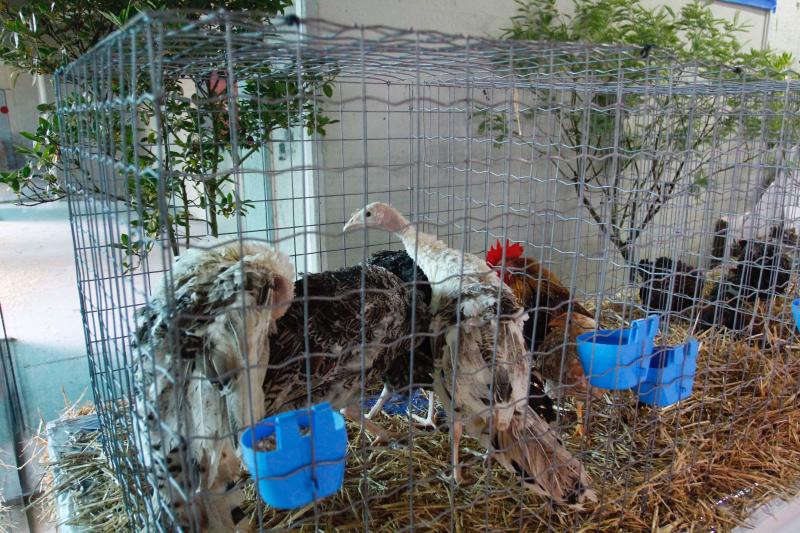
x,y
753,19
783,27
487,18
470,17
549,215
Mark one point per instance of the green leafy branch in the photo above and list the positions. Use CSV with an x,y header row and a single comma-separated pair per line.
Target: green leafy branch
x,y
623,194
192,174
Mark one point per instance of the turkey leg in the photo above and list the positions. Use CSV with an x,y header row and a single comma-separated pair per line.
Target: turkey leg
x,y
579,414
385,395
458,428
428,421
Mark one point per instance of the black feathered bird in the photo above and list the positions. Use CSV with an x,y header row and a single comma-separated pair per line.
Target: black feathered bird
x,y
399,263
669,286
333,331
762,271
727,308
396,378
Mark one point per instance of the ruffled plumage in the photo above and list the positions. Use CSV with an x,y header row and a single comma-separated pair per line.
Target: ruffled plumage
x,y
200,353
336,328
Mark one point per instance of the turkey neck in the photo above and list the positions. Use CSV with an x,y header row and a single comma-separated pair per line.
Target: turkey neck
x,y
443,266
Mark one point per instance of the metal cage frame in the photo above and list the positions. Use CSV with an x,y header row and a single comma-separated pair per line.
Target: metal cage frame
x,y
476,140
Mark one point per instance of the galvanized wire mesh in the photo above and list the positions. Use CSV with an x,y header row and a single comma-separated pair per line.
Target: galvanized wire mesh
x,y
183,125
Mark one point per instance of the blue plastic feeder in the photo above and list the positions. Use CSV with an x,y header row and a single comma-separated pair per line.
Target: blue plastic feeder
x,y
286,476
796,312
618,359
670,377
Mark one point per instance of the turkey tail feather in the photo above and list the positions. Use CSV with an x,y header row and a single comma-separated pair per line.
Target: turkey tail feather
x,y
530,449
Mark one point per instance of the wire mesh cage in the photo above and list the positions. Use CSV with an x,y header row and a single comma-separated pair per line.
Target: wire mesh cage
x,y
211,156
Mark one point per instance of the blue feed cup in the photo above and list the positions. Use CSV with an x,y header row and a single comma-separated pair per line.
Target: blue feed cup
x,y
670,377
289,476
618,359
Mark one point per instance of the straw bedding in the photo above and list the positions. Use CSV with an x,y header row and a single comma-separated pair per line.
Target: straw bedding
x,y
5,519
703,464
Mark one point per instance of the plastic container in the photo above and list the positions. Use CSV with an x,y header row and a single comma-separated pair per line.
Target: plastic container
x,y
670,377
619,358
285,476
796,312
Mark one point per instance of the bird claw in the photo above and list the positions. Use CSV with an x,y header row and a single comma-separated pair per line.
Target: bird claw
x,y
423,422
430,419
483,456
454,477
378,407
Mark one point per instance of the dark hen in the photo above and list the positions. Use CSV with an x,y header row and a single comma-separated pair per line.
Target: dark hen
x,y
669,286
396,378
762,271
399,263
727,308
334,330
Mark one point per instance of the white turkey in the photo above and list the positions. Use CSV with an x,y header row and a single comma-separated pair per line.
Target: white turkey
x,y
482,368
200,353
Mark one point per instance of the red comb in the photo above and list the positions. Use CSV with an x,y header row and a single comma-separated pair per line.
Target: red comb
x,y
495,253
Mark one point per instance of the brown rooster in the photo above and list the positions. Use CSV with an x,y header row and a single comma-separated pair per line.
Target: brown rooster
x,y
555,320
559,362
536,288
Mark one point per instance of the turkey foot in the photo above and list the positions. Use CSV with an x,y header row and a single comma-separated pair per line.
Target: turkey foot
x,y
430,420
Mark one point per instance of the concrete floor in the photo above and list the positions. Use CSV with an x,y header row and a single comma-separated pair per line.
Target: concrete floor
x,y
777,517
39,296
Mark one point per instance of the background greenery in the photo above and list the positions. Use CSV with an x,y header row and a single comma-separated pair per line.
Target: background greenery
x,y
43,35
623,195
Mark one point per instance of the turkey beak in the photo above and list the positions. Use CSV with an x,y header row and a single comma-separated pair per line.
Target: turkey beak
x,y
356,222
